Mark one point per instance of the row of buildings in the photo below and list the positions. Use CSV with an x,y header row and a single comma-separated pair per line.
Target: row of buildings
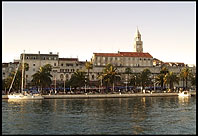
x,y
63,68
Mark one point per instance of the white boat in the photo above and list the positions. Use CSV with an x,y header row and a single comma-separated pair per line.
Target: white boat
x,y
23,95
184,94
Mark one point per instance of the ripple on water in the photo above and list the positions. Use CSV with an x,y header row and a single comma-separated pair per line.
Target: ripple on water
x,y
167,115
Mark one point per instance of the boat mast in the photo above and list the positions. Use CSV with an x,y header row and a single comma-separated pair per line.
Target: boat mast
x,y
13,78
22,73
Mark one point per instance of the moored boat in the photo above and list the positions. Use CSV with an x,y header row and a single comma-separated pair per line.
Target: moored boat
x,y
23,95
184,94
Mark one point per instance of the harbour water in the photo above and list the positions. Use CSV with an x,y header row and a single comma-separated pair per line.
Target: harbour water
x,y
137,115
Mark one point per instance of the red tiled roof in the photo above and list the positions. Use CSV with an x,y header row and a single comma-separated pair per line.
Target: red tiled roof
x,y
125,54
173,63
69,59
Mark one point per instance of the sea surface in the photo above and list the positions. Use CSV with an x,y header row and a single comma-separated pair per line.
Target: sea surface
x,y
137,115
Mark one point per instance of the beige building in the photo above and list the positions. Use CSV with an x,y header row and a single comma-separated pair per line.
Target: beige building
x,y
66,68
7,68
63,68
35,61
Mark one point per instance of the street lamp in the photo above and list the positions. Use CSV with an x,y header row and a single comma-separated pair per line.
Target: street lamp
x,y
126,84
85,83
55,85
64,82
154,79
135,82
101,82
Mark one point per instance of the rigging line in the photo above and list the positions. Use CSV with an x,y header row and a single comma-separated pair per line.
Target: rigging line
x,y
13,78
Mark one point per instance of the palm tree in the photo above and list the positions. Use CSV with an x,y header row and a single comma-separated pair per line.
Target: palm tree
x,y
42,77
17,81
185,74
171,78
78,79
88,66
160,80
110,75
160,77
144,78
128,71
135,80
193,80
164,70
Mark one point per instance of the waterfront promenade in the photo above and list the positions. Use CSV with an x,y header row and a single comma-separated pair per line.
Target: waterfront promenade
x,y
78,96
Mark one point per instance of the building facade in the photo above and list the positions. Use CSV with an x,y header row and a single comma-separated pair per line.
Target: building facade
x,y
63,68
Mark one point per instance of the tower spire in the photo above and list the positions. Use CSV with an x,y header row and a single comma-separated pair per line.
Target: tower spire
x,y
138,42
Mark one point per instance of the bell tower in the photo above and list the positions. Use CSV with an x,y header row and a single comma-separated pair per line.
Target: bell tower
x,y
138,44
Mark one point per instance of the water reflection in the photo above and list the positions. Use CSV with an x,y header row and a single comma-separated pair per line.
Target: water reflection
x,y
184,100
141,115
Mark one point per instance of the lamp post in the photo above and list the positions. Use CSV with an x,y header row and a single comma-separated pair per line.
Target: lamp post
x,y
154,78
64,82
54,82
85,83
135,82
126,84
100,86
55,85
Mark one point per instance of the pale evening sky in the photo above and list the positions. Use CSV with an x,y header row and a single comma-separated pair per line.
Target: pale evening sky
x,y
81,28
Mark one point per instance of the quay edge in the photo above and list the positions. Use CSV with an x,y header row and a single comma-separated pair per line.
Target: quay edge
x,y
106,95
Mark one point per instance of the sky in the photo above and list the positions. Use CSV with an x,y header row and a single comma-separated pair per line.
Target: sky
x,y
79,29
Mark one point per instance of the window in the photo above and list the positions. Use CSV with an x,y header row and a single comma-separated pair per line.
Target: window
x,y
61,76
69,64
92,76
34,58
26,76
34,64
3,73
27,57
33,69
61,70
62,64
43,58
54,64
140,59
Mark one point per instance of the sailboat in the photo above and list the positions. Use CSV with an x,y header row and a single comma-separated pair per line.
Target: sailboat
x,y
23,95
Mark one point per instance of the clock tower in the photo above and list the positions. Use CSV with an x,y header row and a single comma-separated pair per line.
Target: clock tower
x,y
138,47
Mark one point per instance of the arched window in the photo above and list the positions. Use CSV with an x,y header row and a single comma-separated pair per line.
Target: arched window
x,y
61,76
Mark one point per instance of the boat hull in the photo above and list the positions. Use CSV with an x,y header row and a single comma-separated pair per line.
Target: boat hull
x,y
184,94
25,97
